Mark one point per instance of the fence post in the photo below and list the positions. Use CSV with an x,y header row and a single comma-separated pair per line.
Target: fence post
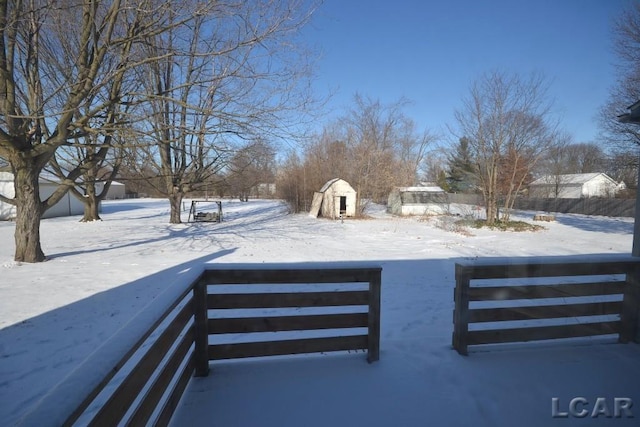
x,y
630,305
461,310
201,352
374,316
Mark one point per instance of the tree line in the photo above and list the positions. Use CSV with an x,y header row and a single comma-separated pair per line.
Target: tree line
x,y
373,146
185,98
173,93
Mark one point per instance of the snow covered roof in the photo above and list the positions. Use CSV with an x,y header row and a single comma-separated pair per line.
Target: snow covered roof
x,y
569,179
45,178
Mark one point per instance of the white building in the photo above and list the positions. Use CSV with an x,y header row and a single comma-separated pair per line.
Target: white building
x,y
335,199
575,186
116,190
423,200
67,206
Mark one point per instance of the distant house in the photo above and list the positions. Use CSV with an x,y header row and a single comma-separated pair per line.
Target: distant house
x,y
67,206
575,186
423,200
335,199
264,190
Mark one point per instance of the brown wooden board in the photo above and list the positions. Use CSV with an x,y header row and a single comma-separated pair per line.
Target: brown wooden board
x,y
374,319
460,311
630,308
549,269
73,417
127,391
278,348
544,311
288,299
288,276
286,323
153,395
200,320
175,394
499,293
495,336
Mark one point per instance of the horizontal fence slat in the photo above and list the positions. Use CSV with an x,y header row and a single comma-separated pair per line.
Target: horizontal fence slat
x,y
271,276
119,402
154,393
73,417
279,348
498,293
478,315
286,323
170,405
542,333
496,271
288,299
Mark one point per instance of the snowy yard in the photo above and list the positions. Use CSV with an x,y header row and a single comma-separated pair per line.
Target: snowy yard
x,y
54,316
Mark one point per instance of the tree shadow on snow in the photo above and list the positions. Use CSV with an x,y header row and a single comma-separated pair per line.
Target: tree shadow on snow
x,y
419,379
241,223
596,223
41,353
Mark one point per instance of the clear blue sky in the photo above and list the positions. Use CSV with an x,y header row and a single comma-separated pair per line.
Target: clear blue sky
x,y
430,51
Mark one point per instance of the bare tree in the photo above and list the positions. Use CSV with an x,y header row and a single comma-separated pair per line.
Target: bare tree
x,y
626,90
249,167
373,146
385,150
291,183
99,158
623,166
97,151
507,121
45,102
232,76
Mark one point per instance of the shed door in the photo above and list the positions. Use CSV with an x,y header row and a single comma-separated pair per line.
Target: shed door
x,y
343,205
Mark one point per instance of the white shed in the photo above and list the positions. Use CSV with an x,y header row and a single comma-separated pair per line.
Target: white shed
x,y
423,200
116,190
335,199
575,186
67,206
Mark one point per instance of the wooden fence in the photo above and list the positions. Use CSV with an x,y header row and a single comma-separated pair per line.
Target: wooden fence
x,y
158,367
150,375
369,319
590,206
620,316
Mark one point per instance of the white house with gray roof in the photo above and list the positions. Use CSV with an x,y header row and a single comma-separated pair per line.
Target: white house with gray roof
x,y
575,186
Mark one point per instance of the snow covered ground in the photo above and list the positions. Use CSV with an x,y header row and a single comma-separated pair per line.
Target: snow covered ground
x,y
55,316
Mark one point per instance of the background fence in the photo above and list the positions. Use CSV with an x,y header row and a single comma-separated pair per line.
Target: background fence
x,y
497,302
590,206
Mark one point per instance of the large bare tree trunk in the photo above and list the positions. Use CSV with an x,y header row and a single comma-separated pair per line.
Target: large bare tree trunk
x,y
29,211
175,200
91,204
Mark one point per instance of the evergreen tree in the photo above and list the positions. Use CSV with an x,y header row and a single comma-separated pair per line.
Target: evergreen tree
x,y
461,177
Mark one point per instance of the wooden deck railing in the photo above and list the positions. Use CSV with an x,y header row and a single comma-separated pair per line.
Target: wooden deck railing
x,y
356,318
620,315
158,367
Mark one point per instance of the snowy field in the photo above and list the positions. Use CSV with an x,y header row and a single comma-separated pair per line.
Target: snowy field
x,y
55,318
